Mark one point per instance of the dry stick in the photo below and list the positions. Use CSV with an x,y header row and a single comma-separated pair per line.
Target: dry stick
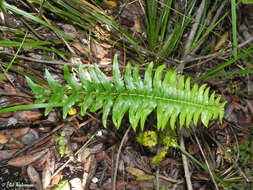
x,y
194,29
215,18
238,156
57,62
157,178
117,159
207,164
71,157
186,168
39,140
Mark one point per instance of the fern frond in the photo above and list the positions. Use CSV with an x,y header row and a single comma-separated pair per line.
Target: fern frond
x,y
171,96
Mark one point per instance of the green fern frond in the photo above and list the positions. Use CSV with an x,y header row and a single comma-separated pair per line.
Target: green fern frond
x,y
172,97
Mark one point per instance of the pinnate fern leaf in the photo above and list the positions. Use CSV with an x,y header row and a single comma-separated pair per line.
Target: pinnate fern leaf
x,y
172,96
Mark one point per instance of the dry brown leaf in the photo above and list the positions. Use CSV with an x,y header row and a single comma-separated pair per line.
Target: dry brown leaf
x,y
6,154
81,48
80,139
46,175
8,114
193,149
27,159
16,133
89,168
221,42
135,171
56,179
34,177
3,139
40,161
27,115
97,50
137,25
145,177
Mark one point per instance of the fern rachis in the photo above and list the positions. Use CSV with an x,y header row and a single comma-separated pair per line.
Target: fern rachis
x,y
170,97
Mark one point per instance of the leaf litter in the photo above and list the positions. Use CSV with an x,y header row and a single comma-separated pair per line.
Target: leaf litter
x,y
38,166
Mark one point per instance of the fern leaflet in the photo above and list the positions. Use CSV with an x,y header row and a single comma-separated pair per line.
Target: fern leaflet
x,y
172,97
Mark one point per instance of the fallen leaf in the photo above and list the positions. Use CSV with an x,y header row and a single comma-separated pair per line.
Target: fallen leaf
x,y
55,180
8,114
6,154
221,41
3,139
89,169
34,177
30,137
135,171
145,177
16,133
27,115
81,48
46,176
109,4
97,50
26,160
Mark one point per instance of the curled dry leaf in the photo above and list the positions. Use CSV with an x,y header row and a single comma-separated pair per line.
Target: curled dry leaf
x,y
34,177
26,160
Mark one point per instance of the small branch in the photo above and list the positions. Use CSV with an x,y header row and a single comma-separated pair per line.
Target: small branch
x,y
117,159
207,164
157,178
186,168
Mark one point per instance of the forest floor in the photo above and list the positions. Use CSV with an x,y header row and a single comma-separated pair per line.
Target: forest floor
x,y
94,157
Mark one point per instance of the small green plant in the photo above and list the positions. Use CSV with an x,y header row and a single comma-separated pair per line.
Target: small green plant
x,y
61,143
173,97
63,185
245,153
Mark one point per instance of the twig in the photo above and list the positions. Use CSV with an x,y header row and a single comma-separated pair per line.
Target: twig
x,y
39,140
194,29
157,178
238,156
71,157
207,164
215,18
117,159
188,44
186,168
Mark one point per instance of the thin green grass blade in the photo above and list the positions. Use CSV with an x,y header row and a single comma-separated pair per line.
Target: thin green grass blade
x,y
36,19
231,73
13,59
234,27
203,167
229,62
28,107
